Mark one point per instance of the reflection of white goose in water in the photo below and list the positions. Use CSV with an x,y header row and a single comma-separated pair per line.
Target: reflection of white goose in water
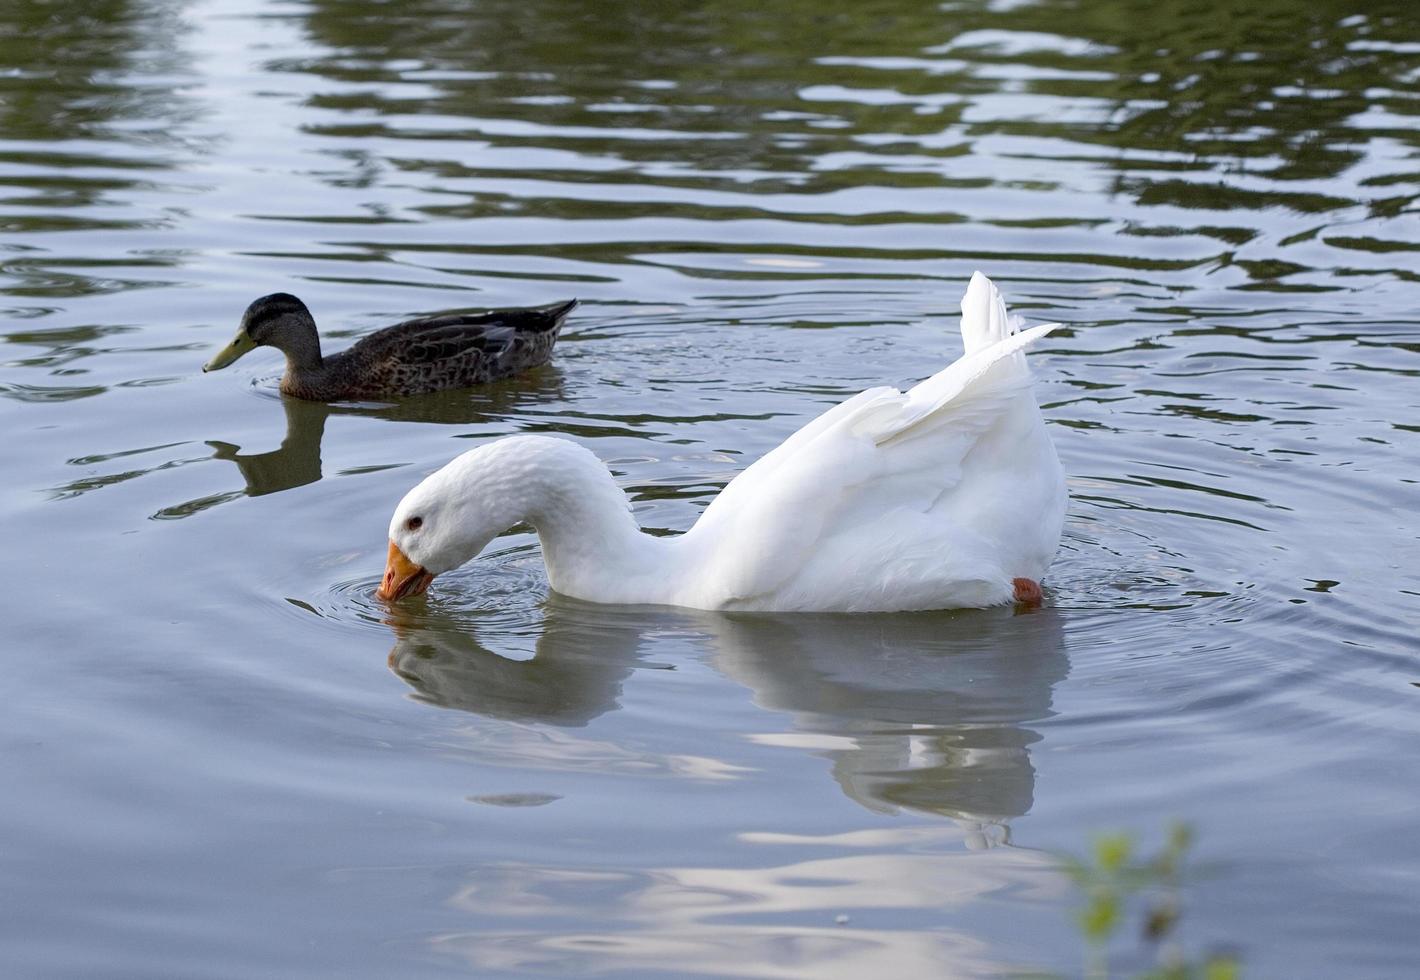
x,y
575,674
927,712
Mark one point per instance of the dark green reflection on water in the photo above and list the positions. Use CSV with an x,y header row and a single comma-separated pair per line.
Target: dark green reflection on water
x,y
1264,89
71,67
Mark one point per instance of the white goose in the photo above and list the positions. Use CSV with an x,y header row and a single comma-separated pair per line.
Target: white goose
x,y
949,495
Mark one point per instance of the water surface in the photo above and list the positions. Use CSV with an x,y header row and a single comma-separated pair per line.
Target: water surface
x,y
223,758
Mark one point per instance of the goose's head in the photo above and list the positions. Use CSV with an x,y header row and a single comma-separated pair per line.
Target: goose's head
x,y
279,320
447,520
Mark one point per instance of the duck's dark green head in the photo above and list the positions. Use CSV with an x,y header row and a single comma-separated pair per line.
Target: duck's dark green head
x,y
267,321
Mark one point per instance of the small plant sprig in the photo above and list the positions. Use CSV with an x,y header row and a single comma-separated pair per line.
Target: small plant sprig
x,y
1110,877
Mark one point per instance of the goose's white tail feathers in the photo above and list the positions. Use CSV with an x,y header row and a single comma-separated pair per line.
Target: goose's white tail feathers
x,y
979,383
994,372
984,320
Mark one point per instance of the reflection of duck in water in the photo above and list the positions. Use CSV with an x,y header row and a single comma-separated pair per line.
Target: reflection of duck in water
x,y
926,712
297,461
415,357
294,464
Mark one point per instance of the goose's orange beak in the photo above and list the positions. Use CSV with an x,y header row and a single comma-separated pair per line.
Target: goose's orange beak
x,y
402,576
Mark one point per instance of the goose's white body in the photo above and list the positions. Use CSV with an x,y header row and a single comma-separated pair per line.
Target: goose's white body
x,y
935,498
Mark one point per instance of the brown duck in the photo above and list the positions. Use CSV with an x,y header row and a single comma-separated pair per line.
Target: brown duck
x,y
428,354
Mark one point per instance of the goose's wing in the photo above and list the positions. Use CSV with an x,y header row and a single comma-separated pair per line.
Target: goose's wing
x,y
880,457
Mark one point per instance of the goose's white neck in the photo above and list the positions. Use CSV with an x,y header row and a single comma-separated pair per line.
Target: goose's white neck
x,y
591,543
592,546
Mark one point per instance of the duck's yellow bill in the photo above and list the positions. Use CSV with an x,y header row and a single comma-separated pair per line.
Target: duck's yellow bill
x,y
402,576
239,346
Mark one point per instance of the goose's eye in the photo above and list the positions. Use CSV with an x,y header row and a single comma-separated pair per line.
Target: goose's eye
x,y
414,523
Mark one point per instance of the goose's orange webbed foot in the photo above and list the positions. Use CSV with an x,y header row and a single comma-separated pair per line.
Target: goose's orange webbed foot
x,y
1028,592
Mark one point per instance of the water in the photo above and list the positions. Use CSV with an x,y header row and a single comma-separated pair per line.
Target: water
x,y
222,757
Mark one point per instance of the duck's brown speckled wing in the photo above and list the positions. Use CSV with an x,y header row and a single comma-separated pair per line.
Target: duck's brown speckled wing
x,y
455,351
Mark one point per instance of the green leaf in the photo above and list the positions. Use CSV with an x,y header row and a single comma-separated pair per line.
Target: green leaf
x,y
1099,917
1112,851
1221,968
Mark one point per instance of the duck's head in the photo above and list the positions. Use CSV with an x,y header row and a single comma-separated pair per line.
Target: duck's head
x,y
279,320
446,521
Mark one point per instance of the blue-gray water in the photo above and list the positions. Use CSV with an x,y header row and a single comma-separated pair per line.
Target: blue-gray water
x,y
220,757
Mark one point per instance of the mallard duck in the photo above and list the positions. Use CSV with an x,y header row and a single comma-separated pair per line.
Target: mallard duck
x,y
950,495
428,354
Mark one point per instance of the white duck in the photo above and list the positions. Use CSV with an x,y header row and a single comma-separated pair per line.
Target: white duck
x,y
949,495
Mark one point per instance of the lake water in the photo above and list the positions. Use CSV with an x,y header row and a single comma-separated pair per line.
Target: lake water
x,y
221,757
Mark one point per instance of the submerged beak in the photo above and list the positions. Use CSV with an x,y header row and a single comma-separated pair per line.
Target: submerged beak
x,y
402,577
239,346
